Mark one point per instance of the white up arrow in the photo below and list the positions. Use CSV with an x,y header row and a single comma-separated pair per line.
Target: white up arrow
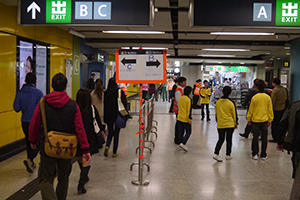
x,y
34,7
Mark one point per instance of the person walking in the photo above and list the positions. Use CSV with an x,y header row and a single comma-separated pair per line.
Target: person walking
x,y
280,101
172,95
25,101
184,118
63,115
289,139
170,86
205,93
178,93
227,119
90,84
97,98
83,99
196,94
260,116
164,92
111,112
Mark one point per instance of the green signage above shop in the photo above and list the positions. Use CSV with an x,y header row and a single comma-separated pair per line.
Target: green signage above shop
x,y
227,69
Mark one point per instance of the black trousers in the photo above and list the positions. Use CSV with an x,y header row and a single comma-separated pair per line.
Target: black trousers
x,y
171,106
275,124
257,130
195,101
247,130
228,132
178,137
207,110
31,153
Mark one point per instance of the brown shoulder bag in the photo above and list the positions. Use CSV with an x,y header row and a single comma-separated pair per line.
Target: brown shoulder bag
x,y
58,144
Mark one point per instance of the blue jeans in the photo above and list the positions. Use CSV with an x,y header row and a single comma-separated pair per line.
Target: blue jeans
x,y
113,132
188,131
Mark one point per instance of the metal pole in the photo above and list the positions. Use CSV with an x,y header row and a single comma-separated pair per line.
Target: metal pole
x,y
141,143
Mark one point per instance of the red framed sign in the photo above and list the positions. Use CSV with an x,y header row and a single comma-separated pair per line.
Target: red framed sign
x,y
141,66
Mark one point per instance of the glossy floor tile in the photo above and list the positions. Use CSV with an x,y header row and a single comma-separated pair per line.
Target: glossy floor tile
x,y
174,174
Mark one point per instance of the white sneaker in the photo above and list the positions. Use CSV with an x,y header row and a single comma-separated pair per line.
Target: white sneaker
x,y
228,157
254,157
264,158
217,158
184,147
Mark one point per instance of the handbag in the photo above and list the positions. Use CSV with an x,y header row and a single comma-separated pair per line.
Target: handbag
x,y
121,107
95,123
120,121
58,144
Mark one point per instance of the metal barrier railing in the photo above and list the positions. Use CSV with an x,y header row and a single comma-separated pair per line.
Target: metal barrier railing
x,y
145,129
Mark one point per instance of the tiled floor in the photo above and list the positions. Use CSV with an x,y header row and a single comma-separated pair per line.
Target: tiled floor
x,y
174,174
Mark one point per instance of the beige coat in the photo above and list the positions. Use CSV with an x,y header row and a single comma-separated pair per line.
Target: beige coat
x,y
99,104
279,97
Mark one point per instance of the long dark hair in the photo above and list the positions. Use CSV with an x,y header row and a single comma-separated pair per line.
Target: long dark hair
x,y
112,83
99,88
83,99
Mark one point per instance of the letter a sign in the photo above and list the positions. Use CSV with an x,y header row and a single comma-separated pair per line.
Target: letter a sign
x,y
262,12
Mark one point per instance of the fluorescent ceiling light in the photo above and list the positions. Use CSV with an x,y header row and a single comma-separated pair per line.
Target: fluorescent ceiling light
x,y
287,47
146,48
226,49
240,33
73,32
288,54
242,63
135,32
206,55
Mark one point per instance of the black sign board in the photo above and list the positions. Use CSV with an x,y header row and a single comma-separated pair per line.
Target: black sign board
x,y
255,13
86,12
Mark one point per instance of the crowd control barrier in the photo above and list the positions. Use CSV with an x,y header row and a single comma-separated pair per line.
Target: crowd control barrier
x,y
146,127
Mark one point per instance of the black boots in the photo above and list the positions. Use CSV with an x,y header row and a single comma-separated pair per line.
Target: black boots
x,y
83,178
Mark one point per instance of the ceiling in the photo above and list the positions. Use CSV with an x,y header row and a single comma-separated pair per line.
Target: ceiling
x,y
185,42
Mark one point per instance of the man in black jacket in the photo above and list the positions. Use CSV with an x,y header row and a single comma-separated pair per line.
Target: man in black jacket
x,y
90,84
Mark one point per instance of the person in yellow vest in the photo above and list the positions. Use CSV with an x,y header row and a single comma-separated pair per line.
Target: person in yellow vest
x,y
181,83
196,94
184,118
205,94
260,116
227,120
123,87
170,86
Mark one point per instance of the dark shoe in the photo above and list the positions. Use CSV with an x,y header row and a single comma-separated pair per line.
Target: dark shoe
x,y
29,166
106,151
208,119
273,141
202,118
81,189
243,135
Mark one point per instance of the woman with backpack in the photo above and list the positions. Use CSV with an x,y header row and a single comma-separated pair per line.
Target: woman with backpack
x,y
88,113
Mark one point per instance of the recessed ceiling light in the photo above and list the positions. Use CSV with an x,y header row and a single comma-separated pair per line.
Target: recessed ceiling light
x,y
206,55
226,49
267,53
242,63
135,32
146,48
240,33
287,47
288,54
278,58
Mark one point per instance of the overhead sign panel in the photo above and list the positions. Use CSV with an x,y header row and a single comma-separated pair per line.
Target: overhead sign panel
x,y
141,66
255,13
84,12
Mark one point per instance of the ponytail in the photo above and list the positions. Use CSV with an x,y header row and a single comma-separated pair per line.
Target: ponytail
x,y
99,88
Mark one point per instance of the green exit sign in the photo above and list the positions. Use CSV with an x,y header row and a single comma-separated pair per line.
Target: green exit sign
x,y
287,13
236,69
58,11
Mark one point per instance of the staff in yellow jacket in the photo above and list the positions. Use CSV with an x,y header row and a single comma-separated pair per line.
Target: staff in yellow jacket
x,y
184,118
227,120
260,116
205,94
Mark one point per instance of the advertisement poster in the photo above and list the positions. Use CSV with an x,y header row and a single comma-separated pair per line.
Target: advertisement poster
x,y
69,77
41,68
26,61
